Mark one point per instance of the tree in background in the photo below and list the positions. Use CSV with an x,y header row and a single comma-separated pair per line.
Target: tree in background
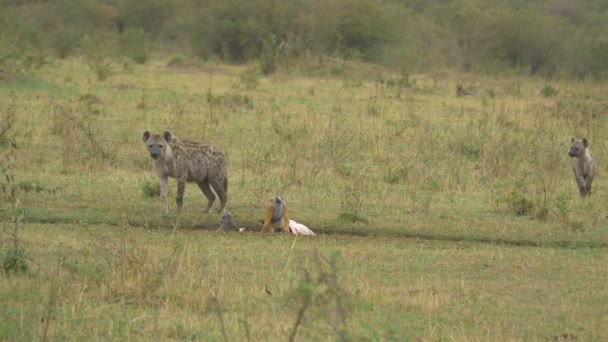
x,y
546,37
471,22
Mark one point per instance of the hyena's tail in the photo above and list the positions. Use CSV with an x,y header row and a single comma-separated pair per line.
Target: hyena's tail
x,y
226,184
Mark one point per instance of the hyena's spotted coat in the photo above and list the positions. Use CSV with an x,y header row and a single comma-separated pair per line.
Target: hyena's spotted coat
x,y
583,164
188,161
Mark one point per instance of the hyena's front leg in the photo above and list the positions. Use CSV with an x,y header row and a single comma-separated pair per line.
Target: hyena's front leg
x,y
588,186
179,199
164,189
582,187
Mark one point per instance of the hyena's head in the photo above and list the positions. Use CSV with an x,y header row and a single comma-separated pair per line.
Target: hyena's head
x,y
157,144
577,147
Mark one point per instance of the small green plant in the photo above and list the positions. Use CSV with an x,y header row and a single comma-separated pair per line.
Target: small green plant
x,y
491,93
65,41
548,91
395,175
519,204
345,168
135,274
128,65
10,188
176,60
514,88
271,55
101,67
14,260
93,103
563,205
398,83
7,122
150,188
351,206
250,78
78,124
542,213
34,59
230,100
324,293
11,57
577,226
373,108
134,43
337,70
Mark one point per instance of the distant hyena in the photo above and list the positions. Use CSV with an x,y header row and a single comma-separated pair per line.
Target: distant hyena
x,y
583,164
188,161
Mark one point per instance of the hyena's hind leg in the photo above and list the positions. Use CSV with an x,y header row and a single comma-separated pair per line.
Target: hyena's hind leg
x,y
179,199
221,189
206,189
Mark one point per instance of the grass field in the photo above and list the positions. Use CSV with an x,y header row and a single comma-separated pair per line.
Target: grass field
x,y
438,217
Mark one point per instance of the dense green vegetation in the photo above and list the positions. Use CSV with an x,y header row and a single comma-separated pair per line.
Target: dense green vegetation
x,y
547,37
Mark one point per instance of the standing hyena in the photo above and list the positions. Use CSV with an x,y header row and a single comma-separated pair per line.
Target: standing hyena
x,y
583,164
188,161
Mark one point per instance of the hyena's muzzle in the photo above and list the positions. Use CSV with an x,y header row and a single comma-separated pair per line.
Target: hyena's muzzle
x,y
155,150
154,154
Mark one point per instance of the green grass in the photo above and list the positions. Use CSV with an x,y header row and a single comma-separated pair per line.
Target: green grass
x,y
147,283
414,195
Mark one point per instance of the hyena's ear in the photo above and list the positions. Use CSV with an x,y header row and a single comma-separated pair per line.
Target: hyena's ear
x,y
585,142
145,136
168,136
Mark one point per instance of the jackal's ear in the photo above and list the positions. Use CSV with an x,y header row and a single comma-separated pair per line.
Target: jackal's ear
x,y
585,142
168,136
145,136
572,140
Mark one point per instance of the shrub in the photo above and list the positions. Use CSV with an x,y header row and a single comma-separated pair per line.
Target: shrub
x,y
134,43
394,175
321,290
65,41
269,55
79,127
519,204
229,100
351,206
251,77
101,67
548,91
15,260
177,60
563,205
150,188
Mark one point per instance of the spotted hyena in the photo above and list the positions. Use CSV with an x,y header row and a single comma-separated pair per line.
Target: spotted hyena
x,y
583,164
188,161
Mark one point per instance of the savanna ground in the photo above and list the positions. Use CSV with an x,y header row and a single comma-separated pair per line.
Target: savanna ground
x,y
438,217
